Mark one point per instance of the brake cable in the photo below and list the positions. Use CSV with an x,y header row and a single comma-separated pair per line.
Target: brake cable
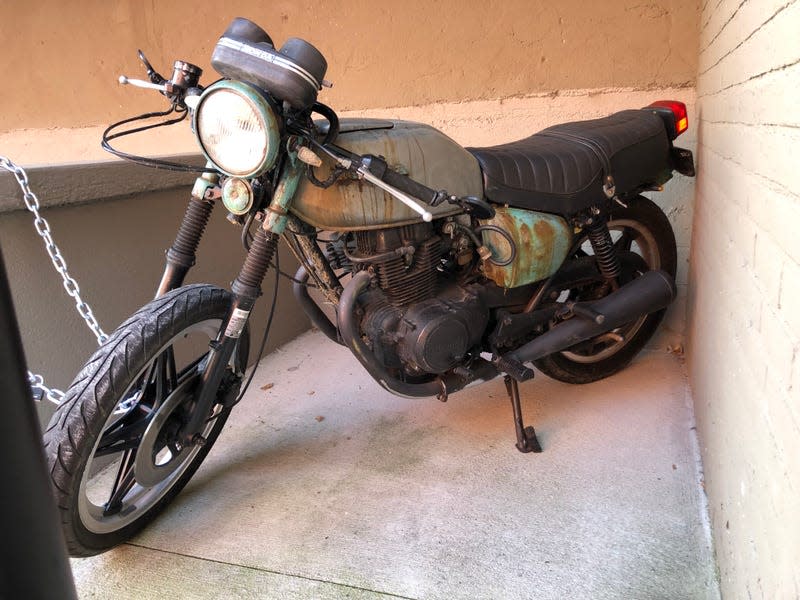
x,y
155,163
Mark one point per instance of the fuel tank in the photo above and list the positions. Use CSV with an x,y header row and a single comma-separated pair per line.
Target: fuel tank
x,y
414,149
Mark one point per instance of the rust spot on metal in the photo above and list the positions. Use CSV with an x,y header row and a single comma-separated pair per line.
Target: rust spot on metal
x,y
427,155
540,239
545,235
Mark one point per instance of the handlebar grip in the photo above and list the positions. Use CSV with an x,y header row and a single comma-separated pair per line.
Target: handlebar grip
x,y
378,167
409,186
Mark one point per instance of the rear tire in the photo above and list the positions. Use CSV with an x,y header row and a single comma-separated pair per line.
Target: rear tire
x,y
641,228
121,414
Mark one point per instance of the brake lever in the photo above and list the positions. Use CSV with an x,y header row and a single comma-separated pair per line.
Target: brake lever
x,y
161,87
152,75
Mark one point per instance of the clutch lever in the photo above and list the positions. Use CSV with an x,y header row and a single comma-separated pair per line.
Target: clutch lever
x,y
364,172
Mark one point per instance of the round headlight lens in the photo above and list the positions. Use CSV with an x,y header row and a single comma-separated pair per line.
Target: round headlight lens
x,y
237,129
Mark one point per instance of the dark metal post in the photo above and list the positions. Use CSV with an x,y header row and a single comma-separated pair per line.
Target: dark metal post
x,y
33,559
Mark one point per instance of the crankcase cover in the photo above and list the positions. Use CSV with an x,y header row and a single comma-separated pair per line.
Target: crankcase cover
x,y
423,153
437,333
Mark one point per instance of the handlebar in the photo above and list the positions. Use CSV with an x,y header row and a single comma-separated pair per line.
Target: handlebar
x,y
378,167
185,78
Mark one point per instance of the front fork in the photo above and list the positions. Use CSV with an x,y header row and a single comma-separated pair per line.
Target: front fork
x,y
181,255
246,287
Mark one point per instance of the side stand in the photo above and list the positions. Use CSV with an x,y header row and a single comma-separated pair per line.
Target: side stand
x,y
526,436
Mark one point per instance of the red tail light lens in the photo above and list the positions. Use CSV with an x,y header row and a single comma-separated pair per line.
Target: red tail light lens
x,y
678,110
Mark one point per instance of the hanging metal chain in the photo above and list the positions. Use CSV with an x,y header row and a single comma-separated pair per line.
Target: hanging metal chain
x,y
37,384
59,264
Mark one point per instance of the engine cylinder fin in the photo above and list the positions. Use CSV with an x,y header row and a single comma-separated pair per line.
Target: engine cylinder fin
x,y
406,278
365,242
405,284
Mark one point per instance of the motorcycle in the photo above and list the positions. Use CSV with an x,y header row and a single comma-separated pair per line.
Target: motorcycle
x,y
445,266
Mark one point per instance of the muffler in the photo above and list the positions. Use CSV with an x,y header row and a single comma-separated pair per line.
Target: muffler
x,y
646,294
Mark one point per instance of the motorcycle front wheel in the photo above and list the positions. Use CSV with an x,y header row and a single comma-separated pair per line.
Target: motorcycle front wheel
x,y
112,446
643,233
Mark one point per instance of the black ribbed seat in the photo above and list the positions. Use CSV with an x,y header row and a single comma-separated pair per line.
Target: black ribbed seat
x,y
561,169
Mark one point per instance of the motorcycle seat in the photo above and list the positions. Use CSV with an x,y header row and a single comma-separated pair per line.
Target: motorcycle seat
x,y
562,169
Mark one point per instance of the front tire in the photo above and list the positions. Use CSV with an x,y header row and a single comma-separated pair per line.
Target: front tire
x,y
643,229
112,446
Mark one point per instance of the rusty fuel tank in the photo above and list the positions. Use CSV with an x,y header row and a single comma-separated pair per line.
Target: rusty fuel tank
x,y
542,242
414,149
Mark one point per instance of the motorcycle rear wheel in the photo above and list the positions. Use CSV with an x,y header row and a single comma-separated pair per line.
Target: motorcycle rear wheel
x,y
112,447
643,229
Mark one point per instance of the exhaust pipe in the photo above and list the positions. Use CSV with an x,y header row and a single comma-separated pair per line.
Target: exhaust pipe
x,y
315,314
646,294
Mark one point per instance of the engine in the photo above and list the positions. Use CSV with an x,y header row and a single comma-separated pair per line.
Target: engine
x,y
419,320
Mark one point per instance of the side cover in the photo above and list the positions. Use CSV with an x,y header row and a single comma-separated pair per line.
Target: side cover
x,y
541,240
417,150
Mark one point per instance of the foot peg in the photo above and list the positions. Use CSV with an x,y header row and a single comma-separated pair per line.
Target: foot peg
x,y
513,368
526,436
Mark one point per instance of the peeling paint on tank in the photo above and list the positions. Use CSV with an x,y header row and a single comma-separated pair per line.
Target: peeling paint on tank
x,y
542,242
545,235
425,154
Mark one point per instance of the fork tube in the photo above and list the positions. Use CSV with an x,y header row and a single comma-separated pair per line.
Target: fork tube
x,y
181,255
246,289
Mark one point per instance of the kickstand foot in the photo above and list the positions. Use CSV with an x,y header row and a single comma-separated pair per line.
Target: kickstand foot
x,y
526,436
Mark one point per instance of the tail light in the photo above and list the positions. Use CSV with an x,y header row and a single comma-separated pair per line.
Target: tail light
x,y
674,115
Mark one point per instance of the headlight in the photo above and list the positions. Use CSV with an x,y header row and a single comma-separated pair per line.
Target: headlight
x,y
237,128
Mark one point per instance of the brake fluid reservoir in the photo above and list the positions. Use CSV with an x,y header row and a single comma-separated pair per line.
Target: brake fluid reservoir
x,y
542,241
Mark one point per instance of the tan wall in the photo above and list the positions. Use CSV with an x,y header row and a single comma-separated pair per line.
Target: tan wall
x,y
745,292
63,59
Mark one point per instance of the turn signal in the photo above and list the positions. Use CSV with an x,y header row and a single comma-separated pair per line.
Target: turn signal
x,y
680,120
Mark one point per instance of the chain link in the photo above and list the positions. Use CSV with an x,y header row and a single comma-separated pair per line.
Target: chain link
x,y
59,264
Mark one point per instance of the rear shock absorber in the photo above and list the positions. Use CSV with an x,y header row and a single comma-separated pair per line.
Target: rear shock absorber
x,y
604,251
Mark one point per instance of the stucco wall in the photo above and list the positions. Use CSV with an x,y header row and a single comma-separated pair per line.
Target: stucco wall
x,y
65,58
745,292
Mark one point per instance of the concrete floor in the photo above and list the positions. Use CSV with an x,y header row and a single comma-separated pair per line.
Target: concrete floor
x,y
326,486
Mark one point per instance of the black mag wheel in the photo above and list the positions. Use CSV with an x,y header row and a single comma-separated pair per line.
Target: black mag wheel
x,y
642,233
112,447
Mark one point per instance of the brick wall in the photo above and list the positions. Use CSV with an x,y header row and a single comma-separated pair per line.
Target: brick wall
x,y
744,291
